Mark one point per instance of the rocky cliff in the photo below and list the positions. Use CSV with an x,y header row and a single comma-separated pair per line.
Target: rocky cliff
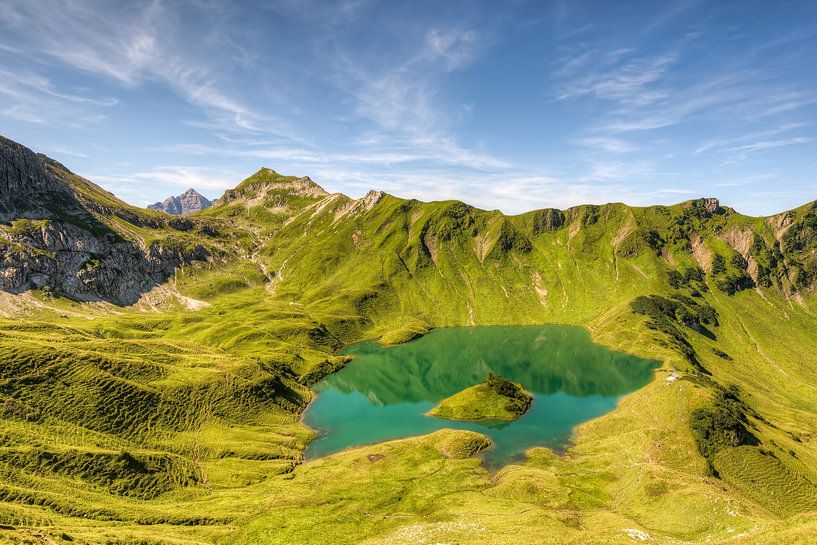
x,y
61,233
189,201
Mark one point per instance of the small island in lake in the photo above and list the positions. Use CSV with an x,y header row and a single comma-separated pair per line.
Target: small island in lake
x,y
496,398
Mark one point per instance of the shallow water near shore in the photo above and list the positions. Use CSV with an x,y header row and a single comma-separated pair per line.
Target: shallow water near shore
x,y
385,392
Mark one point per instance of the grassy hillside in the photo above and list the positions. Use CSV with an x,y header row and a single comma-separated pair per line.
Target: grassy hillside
x,y
176,420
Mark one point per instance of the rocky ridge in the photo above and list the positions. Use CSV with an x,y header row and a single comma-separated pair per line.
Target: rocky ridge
x,y
56,235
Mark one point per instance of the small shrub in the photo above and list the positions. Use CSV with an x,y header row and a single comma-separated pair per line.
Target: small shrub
x,y
721,354
519,400
738,261
718,265
675,279
734,282
694,273
721,425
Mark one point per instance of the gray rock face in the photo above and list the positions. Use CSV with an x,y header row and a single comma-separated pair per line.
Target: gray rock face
x,y
26,188
51,235
711,205
189,201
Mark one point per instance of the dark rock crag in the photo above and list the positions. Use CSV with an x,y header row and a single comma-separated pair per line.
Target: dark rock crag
x,y
56,234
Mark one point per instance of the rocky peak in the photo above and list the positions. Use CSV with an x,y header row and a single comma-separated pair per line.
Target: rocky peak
x,y
189,201
267,187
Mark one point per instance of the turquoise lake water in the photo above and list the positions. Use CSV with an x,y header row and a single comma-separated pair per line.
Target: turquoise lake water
x,y
384,393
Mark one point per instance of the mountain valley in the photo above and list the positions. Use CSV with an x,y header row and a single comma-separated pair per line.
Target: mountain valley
x,y
156,367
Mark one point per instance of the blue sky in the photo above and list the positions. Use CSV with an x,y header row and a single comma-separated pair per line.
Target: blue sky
x,y
509,105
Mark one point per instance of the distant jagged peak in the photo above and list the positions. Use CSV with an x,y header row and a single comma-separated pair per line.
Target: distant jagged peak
x,y
189,201
192,192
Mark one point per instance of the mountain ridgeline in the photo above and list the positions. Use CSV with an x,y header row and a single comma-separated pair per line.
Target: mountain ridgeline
x,y
63,233
156,366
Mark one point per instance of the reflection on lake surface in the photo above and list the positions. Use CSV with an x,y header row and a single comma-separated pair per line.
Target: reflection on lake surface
x,y
384,393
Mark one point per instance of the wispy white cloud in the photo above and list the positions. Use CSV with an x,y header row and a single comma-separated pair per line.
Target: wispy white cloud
x,y
401,98
648,91
132,48
8,48
60,150
724,143
375,155
628,82
603,171
32,98
608,144
31,82
675,191
20,113
326,14
744,150
738,148
456,48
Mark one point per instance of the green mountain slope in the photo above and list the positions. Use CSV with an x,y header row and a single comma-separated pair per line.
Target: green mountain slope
x,y
176,419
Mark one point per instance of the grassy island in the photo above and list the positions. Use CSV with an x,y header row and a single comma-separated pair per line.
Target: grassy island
x,y
496,398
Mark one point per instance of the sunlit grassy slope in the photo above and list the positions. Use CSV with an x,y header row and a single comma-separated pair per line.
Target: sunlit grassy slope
x,y
177,420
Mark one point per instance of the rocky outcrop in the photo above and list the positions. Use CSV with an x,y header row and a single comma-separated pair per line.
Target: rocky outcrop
x,y
546,220
27,188
69,260
53,236
186,203
711,205
708,205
